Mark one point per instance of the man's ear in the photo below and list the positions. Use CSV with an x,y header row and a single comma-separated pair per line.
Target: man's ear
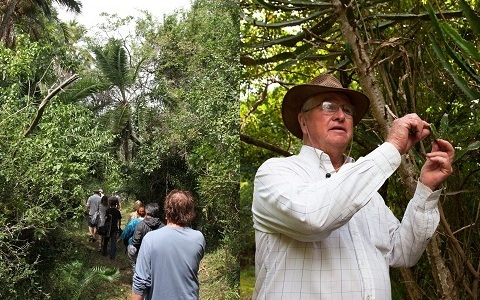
x,y
301,121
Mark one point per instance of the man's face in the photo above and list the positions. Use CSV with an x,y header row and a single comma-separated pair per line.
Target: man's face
x,y
324,126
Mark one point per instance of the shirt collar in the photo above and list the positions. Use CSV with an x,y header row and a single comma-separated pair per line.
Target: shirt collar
x,y
308,152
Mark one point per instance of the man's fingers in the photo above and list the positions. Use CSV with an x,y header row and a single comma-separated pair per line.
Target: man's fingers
x,y
443,163
444,146
417,127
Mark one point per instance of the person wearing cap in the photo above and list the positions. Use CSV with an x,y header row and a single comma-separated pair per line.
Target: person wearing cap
x,y
322,230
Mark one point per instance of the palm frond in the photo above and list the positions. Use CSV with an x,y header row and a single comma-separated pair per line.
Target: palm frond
x,y
71,5
112,62
83,88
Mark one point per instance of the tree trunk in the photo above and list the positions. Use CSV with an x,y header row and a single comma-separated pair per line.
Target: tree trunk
x,y
412,288
344,12
6,21
441,274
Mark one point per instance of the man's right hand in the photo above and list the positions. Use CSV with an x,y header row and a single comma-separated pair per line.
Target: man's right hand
x,y
406,131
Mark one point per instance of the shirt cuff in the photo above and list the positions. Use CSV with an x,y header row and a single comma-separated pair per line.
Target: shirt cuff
x,y
425,198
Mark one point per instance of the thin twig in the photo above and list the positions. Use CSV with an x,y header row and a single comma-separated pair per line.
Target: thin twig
x,y
390,112
464,227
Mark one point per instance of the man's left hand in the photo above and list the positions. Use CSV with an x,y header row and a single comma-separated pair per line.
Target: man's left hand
x,y
438,166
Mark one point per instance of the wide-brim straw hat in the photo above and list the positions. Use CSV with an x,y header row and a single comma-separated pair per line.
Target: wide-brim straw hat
x,y
298,95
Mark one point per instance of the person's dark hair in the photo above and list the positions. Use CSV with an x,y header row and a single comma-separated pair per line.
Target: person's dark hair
x,y
152,210
104,200
113,201
179,207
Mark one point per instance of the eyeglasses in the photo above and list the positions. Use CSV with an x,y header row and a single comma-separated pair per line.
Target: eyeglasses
x,y
330,108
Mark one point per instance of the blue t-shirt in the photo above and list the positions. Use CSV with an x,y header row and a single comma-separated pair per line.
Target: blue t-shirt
x,y
168,262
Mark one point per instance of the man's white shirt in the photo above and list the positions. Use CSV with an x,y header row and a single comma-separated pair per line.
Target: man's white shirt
x,y
334,238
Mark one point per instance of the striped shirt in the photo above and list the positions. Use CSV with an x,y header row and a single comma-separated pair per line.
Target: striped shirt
x,y
334,238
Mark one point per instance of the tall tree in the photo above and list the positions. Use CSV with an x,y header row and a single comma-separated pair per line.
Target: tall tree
x,y
117,77
26,16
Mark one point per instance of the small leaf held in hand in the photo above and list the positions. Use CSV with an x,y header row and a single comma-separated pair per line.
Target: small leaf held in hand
x,y
443,130
434,132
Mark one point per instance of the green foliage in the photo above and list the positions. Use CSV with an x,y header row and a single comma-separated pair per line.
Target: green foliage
x,y
75,281
149,114
44,177
446,33
246,235
112,62
194,143
185,118
247,283
214,284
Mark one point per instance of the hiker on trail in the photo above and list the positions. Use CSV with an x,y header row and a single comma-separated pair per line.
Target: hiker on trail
x,y
134,214
113,222
115,194
127,234
92,206
102,209
149,223
169,258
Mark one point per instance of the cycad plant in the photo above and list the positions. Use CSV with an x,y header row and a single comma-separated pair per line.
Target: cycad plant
x,y
74,281
95,274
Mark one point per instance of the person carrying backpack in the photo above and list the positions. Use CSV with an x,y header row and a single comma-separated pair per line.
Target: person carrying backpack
x,y
127,234
113,221
102,209
151,222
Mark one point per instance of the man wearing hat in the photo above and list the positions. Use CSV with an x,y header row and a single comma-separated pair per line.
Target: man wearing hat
x,y
93,206
322,230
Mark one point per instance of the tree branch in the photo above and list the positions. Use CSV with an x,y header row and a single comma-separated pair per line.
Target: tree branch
x,y
41,108
250,140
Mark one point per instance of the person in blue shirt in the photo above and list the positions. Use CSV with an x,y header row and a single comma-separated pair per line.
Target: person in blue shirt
x,y
169,258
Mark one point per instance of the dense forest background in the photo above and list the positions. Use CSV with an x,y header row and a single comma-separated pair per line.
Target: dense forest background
x,y
141,114
408,57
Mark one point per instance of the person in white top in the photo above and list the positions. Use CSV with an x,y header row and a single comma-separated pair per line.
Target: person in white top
x,y
322,230
92,207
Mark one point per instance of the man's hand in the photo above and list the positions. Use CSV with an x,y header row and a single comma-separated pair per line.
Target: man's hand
x,y
406,131
438,166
